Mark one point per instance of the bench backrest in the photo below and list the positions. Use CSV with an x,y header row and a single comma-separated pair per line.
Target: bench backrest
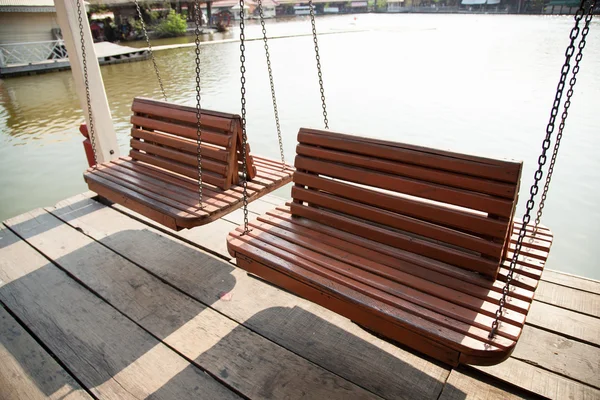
x,y
165,135
446,206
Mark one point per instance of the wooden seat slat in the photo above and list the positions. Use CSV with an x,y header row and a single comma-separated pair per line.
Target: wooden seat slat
x,y
186,198
412,315
184,145
160,177
504,171
397,269
142,174
426,265
401,239
185,210
445,178
436,297
408,186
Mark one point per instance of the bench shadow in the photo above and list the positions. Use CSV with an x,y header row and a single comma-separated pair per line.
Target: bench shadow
x,y
76,317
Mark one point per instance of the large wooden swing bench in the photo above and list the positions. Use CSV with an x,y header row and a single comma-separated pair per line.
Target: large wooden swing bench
x,y
410,242
159,179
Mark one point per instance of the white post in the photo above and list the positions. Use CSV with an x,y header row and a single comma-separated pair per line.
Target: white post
x,y
105,138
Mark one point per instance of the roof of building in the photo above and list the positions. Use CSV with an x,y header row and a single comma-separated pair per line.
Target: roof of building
x,y
26,3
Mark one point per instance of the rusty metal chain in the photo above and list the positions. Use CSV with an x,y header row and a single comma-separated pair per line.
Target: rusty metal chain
x,y
268,56
86,82
314,32
156,70
533,191
565,114
198,13
243,102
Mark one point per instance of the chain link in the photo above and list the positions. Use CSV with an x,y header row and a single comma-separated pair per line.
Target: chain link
x,y
565,114
92,130
243,101
533,191
156,70
197,16
275,111
314,32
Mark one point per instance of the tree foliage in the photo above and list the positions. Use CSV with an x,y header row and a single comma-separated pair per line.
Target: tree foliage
x,y
173,25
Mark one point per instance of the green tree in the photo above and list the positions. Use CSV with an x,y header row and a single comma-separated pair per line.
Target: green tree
x,y
381,4
173,25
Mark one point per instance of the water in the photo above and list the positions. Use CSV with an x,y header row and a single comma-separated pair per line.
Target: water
x,y
471,83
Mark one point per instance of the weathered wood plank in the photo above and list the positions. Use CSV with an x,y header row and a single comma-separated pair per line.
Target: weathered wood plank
x,y
569,298
111,356
27,371
252,365
568,323
316,334
556,353
572,281
462,386
540,381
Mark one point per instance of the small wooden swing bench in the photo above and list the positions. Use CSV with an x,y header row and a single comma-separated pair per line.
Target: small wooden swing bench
x,y
409,242
159,179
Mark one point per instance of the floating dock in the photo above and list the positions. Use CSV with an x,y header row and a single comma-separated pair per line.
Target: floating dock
x,y
107,53
97,301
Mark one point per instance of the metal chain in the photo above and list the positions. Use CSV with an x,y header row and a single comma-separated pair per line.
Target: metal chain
x,y
156,70
533,191
314,32
243,101
275,111
198,14
91,131
565,114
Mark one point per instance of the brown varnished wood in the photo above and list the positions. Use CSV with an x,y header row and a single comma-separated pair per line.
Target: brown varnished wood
x,y
453,179
403,234
161,175
505,171
181,144
209,119
450,217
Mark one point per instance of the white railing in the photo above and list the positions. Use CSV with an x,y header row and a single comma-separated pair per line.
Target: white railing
x,y
32,52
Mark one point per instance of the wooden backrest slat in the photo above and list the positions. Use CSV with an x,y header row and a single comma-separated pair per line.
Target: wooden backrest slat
x,y
504,171
454,218
217,167
398,240
165,134
186,115
182,169
446,206
424,230
413,187
212,137
459,181
181,144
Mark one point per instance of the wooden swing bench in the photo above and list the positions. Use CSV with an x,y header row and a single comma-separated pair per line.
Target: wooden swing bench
x,y
409,242
159,179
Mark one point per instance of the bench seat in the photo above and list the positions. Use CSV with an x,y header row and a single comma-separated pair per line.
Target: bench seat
x,y
160,180
421,292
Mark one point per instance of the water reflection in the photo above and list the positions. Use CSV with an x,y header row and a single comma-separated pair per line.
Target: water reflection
x,y
471,83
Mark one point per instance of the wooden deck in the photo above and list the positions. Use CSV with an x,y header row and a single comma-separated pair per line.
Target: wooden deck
x,y
98,302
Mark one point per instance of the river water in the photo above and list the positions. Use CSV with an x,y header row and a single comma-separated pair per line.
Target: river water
x,y
470,83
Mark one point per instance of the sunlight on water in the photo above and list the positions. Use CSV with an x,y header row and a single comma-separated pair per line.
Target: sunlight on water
x,y
471,83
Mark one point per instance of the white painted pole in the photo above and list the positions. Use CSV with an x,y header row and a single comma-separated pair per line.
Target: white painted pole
x,y
105,136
